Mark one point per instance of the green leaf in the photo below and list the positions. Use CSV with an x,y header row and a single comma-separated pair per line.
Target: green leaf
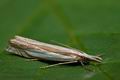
x,y
89,25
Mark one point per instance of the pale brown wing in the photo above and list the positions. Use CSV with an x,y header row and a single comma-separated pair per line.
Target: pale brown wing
x,y
26,43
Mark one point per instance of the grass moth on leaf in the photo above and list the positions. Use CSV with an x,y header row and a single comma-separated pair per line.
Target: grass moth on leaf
x,y
39,50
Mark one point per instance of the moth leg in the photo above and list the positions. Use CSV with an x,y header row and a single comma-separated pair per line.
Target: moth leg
x,y
82,63
59,64
34,59
22,54
85,67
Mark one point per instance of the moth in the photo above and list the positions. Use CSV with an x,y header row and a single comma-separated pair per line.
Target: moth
x,y
43,51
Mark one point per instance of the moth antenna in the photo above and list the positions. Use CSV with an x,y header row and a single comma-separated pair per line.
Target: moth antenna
x,y
100,55
64,45
58,64
61,44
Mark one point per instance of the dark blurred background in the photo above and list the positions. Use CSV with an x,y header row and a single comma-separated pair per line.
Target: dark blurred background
x,y
89,25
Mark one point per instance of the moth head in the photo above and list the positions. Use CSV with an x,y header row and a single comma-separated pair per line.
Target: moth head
x,y
90,58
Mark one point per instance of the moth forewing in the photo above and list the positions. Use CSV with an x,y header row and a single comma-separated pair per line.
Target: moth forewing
x,y
49,47
35,49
